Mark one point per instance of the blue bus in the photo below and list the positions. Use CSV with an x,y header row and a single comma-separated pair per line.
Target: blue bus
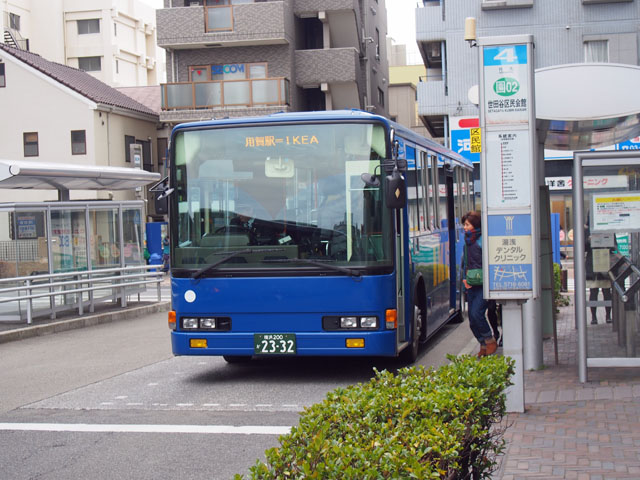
x,y
317,233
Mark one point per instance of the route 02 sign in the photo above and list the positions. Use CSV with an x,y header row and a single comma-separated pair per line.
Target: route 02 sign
x,y
506,91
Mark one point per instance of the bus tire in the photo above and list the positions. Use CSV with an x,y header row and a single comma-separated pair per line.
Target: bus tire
x,y
237,358
410,353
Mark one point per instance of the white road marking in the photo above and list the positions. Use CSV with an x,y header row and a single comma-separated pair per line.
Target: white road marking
x,y
117,428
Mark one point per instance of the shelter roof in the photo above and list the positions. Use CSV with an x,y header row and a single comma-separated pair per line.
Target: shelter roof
x,y
61,176
587,105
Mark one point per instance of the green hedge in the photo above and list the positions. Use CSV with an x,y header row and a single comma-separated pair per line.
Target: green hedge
x,y
419,423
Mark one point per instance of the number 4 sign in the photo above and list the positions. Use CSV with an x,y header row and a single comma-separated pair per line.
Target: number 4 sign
x,y
506,84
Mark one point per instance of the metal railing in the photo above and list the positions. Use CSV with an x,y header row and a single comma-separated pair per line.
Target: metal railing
x,y
625,280
227,93
123,281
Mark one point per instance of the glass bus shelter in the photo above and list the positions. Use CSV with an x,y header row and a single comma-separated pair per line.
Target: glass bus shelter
x,y
607,259
64,237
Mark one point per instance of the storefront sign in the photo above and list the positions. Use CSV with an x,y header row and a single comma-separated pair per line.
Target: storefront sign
x,y
461,142
604,181
226,69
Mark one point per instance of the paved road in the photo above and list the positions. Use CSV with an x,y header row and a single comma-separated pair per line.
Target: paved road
x,y
88,404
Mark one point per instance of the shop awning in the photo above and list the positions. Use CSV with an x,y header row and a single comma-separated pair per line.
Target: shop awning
x,y
60,176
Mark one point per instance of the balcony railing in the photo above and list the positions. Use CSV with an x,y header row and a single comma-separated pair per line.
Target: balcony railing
x,y
228,93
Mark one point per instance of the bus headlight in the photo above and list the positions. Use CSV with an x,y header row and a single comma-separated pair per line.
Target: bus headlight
x,y
208,323
220,324
369,322
189,323
349,322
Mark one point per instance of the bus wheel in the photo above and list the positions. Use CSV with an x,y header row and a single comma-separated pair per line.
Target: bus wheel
x,y
237,358
410,353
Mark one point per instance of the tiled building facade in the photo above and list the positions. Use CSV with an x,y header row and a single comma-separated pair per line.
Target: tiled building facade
x,y
229,58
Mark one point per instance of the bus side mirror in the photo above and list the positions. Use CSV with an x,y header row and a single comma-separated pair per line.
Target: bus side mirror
x,y
395,190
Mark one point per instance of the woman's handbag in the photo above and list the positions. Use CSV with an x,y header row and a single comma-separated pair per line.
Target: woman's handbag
x,y
474,277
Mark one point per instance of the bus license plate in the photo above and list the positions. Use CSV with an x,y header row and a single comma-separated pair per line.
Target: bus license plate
x,y
274,343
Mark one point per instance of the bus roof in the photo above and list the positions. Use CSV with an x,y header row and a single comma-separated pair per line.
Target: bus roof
x,y
338,116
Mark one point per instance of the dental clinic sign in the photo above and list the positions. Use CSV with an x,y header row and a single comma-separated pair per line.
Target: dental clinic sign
x,y
506,88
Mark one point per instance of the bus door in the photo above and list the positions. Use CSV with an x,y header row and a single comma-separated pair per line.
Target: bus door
x,y
451,226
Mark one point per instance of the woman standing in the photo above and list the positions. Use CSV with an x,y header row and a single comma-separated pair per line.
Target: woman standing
x,y
472,260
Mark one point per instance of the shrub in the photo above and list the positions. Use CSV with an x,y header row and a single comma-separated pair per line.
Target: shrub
x,y
559,300
419,423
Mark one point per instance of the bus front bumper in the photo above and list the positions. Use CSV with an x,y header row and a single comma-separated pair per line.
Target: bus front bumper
x,y
374,343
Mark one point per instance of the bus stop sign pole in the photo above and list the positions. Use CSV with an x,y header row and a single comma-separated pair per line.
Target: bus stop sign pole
x,y
510,240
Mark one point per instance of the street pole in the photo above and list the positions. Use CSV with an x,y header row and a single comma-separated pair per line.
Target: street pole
x,y
510,239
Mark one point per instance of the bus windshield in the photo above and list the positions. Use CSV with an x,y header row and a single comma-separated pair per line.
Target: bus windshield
x,y
271,197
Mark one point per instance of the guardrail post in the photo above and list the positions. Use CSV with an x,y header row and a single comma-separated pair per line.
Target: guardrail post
x,y
52,301
91,303
158,283
123,297
29,304
79,284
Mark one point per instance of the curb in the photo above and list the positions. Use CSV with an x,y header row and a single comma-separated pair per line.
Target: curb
x,y
81,322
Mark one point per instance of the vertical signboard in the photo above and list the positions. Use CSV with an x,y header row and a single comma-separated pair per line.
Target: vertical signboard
x,y
507,124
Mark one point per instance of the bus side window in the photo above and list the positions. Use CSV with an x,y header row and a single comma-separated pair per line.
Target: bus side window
x,y
457,194
442,197
424,191
433,191
413,174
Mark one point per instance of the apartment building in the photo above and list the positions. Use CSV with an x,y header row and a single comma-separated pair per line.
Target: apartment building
x,y
564,32
403,96
236,58
112,40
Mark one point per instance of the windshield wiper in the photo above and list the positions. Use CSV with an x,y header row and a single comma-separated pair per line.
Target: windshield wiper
x,y
348,271
229,255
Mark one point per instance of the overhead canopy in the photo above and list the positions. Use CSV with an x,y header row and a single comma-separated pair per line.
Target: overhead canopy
x,y
61,176
587,105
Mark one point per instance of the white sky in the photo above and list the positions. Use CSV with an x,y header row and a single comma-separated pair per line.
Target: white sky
x,y
401,24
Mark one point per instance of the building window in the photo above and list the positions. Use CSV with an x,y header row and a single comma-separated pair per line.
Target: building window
x,y
596,51
88,26
381,97
90,64
199,74
14,21
3,82
30,141
115,29
78,142
117,66
128,140
377,44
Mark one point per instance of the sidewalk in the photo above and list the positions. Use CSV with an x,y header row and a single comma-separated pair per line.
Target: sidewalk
x,y
587,431
104,313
